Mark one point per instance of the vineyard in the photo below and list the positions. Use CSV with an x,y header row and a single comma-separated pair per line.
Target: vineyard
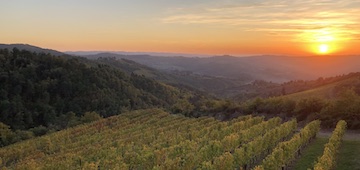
x,y
154,139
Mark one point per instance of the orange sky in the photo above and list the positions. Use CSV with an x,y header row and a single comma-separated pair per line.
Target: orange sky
x,y
298,27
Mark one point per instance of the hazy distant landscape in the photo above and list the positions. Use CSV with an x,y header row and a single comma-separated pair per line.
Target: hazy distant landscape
x,y
188,85
44,91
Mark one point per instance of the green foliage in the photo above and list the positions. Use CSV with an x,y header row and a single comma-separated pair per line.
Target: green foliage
x,y
206,166
311,153
40,130
244,155
6,135
286,151
328,88
225,161
348,156
328,159
154,139
183,107
146,139
308,106
57,92
212,149
345,107
23,135
90,117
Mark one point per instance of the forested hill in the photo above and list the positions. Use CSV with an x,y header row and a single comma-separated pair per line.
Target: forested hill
x,y
31,48
211,85
51,91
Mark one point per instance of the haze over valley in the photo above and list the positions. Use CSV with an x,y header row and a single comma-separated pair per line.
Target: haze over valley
x,y
162,85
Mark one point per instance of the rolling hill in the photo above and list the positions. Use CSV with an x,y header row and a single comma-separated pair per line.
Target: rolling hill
x,y
225,76
134,124
31,48
331,90
239,77
327,99
218,86
39,90
269,68
112,84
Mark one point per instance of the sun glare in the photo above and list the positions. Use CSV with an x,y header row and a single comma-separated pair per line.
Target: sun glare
x,y
323,42
323,49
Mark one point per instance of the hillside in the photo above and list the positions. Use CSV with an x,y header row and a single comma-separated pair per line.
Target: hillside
x,y
330,90
269,68
244,78
42,92
329,100
54,92
240,78
149,139
218,86
323,87
31,48
136,140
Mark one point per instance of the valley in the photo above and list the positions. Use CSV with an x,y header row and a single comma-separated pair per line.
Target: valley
x,y
180,85
112,112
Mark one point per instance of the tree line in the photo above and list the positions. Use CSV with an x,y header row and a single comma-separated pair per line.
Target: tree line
x,y
41,92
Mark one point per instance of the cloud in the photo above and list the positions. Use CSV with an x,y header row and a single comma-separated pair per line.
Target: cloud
x,y
305,20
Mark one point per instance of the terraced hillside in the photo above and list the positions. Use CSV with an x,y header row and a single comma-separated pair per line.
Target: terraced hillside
x,y
154,139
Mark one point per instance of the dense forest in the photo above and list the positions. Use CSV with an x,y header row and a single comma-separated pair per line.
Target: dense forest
x,y
41,92
38,89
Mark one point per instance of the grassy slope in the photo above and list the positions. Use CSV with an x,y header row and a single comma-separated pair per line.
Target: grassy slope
x,y
326,91
311,153
348,156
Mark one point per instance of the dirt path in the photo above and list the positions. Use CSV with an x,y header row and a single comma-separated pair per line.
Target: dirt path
x,y
349,134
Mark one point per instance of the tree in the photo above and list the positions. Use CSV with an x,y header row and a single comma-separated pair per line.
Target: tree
x,y
309,106
183,107
6,135
90,117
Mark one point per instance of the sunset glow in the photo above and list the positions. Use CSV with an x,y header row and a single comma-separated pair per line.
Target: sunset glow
x,y
324,41
323,48
299,27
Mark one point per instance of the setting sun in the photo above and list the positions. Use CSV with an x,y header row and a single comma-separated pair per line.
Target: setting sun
x,y
324,41
180,84
323,49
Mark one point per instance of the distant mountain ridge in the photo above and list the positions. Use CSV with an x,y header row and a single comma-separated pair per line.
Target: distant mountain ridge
x,y
160,54
205,83
31,48
224,76
269,68
248,69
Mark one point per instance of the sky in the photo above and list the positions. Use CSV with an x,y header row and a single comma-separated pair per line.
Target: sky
x,y
234,27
